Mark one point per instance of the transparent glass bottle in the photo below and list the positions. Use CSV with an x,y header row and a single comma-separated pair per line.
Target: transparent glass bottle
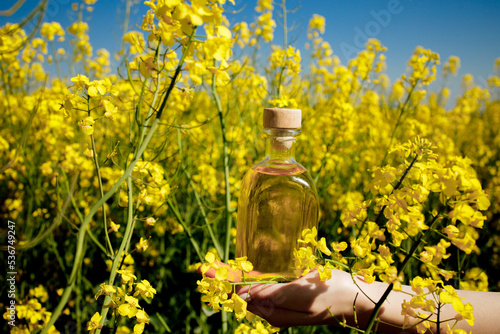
x,y
278,199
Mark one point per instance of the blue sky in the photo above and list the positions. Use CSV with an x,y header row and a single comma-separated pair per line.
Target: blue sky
x,y
468,29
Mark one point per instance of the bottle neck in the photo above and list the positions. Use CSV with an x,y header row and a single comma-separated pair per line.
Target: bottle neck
x,y
280,144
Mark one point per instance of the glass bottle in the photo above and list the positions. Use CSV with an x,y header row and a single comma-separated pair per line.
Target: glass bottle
x,y
278,199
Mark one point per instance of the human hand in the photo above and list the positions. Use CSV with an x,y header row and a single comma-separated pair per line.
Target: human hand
x,y
304,301
348,299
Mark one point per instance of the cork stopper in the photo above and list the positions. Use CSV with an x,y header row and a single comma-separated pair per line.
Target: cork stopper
x,y
281,118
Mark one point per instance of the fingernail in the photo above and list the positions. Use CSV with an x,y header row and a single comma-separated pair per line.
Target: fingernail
x,y
245,296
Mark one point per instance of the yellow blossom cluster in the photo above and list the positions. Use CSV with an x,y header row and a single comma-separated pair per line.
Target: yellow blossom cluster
x,y
256,327
218,292
124,301
81,40
52,29
405,193
264,26
288,61
422,67
428,297
30,315
305,258
153,188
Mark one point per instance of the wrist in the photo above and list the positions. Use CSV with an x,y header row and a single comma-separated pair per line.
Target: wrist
x,y
367,296
352,299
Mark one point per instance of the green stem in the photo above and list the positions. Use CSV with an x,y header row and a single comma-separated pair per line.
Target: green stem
x,y
83,228
401,112
57,221
285,28
228,212
59,259
110,251
80,216
197,197
176,74
328,147
39,10
226,170
126,175
129,237
285,45
396,187
55,59
400,268
378,305
13,9
97,243
128,4
78,303
155,97
128,232
186,228
218,247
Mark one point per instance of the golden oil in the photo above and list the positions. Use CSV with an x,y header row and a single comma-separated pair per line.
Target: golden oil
x,y
278,200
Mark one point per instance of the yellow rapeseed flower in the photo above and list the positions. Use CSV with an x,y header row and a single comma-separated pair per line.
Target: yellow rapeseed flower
x,y
339,246
317,22
86,125
241,263
52,29
264,5
323,247
80,81
309,236
93,324
304,261
127,276
105,290
361,246
474,279
145,289
142,245
451,66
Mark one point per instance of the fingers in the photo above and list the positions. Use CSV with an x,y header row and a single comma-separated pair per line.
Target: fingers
x,y
292,297
305,301
299,295
279,317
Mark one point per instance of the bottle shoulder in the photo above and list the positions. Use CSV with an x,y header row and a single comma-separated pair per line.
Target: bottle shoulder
x,y
293,177
279,167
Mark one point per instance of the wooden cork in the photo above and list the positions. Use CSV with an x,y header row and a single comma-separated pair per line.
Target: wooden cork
x,y
281,118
